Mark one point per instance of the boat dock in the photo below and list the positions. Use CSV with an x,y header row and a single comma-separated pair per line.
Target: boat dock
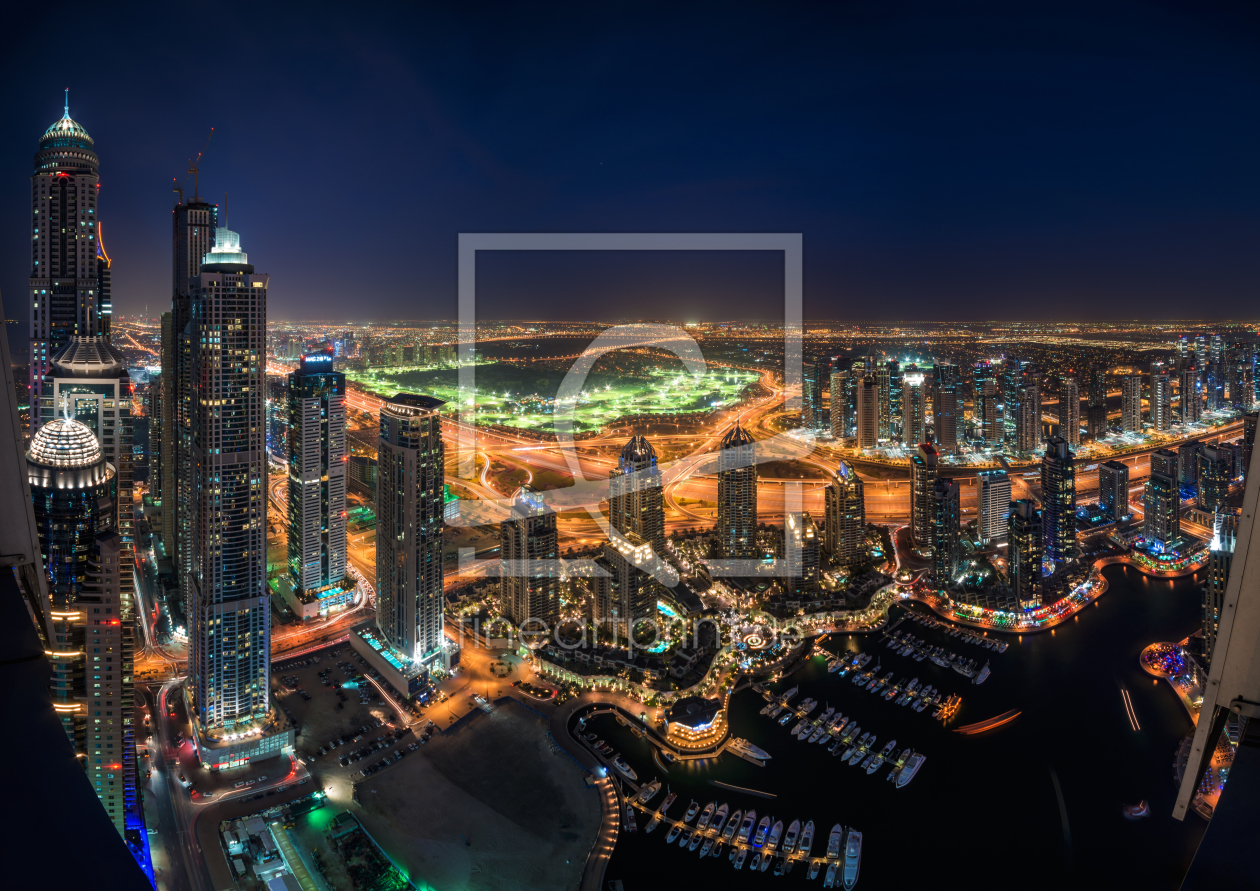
x,y
902,692
966,635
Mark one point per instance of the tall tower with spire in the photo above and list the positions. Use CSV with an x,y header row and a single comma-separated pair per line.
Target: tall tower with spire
x,y
69,282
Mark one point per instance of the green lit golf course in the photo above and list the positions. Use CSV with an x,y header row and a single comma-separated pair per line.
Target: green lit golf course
x,y
524,397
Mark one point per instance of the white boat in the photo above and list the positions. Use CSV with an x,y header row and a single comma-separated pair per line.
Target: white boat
x,y
807,838
740,858
762,828
708,846
833,842
765,860
744,747
787,697
621,765
706,815
745,828
789,840
719,819
732,826
674,832
879,759
776,832
630,824
813,870
692,810
648,792
755,866
983,675
696,838
830,880
910,768
852,859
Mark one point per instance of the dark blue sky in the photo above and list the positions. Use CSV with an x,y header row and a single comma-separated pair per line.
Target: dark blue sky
x,y
1097,161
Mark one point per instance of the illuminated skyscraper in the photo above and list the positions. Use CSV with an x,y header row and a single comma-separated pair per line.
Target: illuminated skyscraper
x,y
840,408
1131,403
1187,475
1161,399
913,423
817,374
1190,398
1216,469
800,548
1249,439
73,489
1058,501
883,386
410,476
1027,414
945,550
316,412
737,495
1220,558
528,558
1070,411
844,527
995,505
69,281
229,612
1161,509
1096,408
1113,490
624,593
92,375
946,408
635,495
867,413
922,479
1166,462
986,411
1025,554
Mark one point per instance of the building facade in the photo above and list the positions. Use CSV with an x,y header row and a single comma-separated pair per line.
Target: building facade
x,y
410,475
623,592
229,613
318,581
801,552
1220,558
1161,510
1131,403
1113,490
69,281
737,495
913,407
1161,399
922,479
946,532
636,498
1070,411
1024,537
1058,501
995,506
1216,470
867,413
529,593
844,523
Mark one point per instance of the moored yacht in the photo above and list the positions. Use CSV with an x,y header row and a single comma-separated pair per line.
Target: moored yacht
x,y
692,810
744,747
852,859
740,857
776,832
674,832
829,881
789,840
833,842
706,815
807,838
745,828
621,765
719,819
910,768
732,826
762,828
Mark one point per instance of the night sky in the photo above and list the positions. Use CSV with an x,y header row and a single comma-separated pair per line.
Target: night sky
x,y
983,164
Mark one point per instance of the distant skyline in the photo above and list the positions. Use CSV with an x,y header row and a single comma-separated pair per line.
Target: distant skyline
x,y
1016,164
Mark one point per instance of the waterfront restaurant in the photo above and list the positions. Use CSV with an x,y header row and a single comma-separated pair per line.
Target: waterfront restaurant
x,y
695,723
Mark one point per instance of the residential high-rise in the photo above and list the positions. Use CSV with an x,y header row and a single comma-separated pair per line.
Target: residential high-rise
x,y
867,413
840,408
317,582
946,408
1113,490
922,479
1096,407
913,419
1220,557
194,224
945,546
1166,462
229,615
410,475
1190,399
153,410
883,396
92,617
1131,403
995,505
92,376
1027,414
844,526
737,495
1213,386
1216,469
624,592
986,411
69,281
1188,464
817,374
529,592
1058,501
1025,553
635,494
1161,509
1070,411
1161,399
800,550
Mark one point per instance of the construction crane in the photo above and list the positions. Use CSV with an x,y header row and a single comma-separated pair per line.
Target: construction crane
x,y
194,168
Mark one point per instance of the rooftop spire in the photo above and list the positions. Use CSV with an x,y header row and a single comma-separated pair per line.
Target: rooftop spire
x,y
67,102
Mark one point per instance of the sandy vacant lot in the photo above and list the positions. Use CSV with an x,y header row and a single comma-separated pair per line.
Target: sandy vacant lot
x,y
492,804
